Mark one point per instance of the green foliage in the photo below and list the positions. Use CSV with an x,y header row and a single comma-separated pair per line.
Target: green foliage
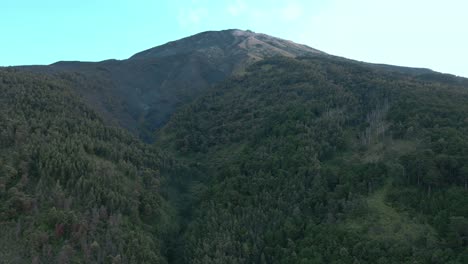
x,y
320,160
306,160
72,190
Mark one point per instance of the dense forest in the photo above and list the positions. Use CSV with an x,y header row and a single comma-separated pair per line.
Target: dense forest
x,y
293,160
325,161
71,189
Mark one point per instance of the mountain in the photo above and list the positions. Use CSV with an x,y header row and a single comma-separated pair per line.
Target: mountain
x,y
234,44
265,151
320,160
141,93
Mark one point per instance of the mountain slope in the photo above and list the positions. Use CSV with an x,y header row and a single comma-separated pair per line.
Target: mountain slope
x,y
73,190
142,92
283,154
321,160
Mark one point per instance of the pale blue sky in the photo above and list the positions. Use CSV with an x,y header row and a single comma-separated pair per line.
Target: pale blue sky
x,y
419,33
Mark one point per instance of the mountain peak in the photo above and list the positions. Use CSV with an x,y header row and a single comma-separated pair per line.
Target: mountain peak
x,y
151,85
228,43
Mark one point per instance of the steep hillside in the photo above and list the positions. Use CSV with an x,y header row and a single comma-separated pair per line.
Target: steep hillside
x,y
266,151
142,92
71,189
322,160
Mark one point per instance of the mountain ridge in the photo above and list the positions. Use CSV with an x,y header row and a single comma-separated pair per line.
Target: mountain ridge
x,y
227,40
140,93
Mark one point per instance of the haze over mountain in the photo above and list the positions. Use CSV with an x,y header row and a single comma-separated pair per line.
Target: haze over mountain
x,y
265,151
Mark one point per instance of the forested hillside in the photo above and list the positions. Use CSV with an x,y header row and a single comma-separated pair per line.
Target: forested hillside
x,y
266,151
71,189
322,160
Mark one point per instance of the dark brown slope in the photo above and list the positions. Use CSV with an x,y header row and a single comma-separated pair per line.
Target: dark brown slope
x,y
140,93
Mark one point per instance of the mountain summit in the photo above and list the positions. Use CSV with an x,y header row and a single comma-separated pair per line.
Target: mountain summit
x,y
140,93
227,43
